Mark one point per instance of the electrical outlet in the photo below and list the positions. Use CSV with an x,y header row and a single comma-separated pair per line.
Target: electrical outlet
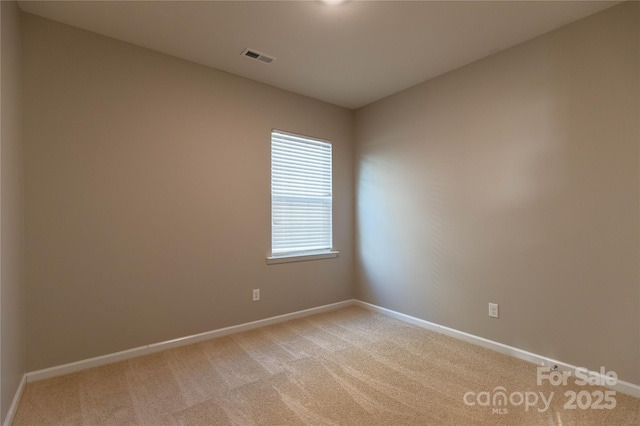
x,y
493,310
256,294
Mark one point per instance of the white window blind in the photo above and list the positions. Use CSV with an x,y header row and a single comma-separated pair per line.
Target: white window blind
x,y
301,203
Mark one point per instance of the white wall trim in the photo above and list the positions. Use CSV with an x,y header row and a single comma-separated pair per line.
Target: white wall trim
x,y
16,400
274,260
183,341
621,386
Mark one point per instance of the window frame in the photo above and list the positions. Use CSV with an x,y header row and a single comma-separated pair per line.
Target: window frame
x,y
299,255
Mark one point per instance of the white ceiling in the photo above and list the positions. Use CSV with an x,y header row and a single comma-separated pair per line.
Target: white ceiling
x,y
350,54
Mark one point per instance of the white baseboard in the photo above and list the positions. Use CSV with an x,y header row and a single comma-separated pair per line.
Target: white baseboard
x,y
16,400
621,386
183,341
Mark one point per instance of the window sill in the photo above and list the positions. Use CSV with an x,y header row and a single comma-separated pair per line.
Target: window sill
x,y
301,257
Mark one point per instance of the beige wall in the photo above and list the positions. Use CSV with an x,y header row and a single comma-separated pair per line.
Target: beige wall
x,y
12,303
513,180
148,196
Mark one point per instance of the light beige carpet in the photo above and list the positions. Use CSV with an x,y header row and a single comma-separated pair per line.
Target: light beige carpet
x,y
346,367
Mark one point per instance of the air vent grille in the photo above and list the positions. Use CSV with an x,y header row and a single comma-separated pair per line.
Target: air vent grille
x,y
258,56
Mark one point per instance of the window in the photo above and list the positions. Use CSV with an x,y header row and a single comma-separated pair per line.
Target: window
x,y
301,198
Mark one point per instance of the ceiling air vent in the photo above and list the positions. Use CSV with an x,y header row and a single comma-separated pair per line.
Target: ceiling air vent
x,y
254,54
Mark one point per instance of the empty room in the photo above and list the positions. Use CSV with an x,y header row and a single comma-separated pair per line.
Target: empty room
x,y
320,212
